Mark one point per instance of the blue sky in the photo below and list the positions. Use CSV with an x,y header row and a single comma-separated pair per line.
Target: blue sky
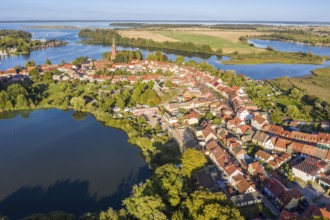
x,y
250,10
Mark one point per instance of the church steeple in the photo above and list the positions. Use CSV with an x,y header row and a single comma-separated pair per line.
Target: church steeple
x,y
114,49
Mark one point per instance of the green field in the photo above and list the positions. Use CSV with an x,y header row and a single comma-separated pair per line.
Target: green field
x,y
214,42
317,84
275,57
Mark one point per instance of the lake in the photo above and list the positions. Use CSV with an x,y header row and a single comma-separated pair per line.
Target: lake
x,y
290,47
76,49
64,160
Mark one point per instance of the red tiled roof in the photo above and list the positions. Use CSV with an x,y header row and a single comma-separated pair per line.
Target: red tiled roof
x,y
259,119
304,136
230,169
286,215
263,155
323,138
313,211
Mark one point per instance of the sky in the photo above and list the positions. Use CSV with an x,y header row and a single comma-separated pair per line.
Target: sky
x,y
224,10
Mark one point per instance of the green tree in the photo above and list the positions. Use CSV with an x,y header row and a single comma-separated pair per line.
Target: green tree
x,y
179,60
145,207
120,58
138,55
3,100
192,160
276,117
169,181
78,103
16,89
21,101
111,214
178,215
28,63
48,62
207,205
209,116
292,111
296,94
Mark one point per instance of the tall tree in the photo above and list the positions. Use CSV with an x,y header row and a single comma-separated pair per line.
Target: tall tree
x,y
192,160
169,181
145,207
48,62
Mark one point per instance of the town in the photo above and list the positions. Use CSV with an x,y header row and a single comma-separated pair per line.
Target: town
x,y
251,160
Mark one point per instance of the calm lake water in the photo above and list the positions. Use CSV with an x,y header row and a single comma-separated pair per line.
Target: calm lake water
x,y
57,160
290,47
76,49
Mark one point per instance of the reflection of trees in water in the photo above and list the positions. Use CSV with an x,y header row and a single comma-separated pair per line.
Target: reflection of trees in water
x,y
79,116
7,115
71,196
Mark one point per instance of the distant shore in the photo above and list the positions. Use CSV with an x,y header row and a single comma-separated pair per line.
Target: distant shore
x,y
63,27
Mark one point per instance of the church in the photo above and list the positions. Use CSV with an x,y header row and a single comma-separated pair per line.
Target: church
x,y
114,50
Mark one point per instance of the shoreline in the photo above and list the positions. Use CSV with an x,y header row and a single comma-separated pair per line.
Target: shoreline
x,y
60,27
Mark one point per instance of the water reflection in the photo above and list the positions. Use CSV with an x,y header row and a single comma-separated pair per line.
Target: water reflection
x,y
68,195
57,160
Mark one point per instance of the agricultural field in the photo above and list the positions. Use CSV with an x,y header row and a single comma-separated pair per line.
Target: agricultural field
x,y
226,40
145,35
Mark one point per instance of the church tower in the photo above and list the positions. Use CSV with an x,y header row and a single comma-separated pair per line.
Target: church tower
x,y
114,50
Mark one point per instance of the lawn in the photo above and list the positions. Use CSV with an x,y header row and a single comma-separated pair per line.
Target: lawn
x,y
215,42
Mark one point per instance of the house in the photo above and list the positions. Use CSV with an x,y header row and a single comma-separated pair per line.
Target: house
x,y
209,134
262,155
231,170
145,111
170,119
309,138
258,122
281,144
222,132
243,114
211,147
323,140
234,123
313,212
242,129
286,215
239,153
192,117
270,143
242,185
309,169
286,198
260,138
257,170
247,136
247,199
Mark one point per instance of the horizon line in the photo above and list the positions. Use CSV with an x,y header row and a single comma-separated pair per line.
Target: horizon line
x,y
155,20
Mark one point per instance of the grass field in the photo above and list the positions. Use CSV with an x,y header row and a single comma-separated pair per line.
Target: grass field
x,y
215,42
274,57
313,85
145,35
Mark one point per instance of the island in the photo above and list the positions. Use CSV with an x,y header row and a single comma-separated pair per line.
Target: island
x,y
20,42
